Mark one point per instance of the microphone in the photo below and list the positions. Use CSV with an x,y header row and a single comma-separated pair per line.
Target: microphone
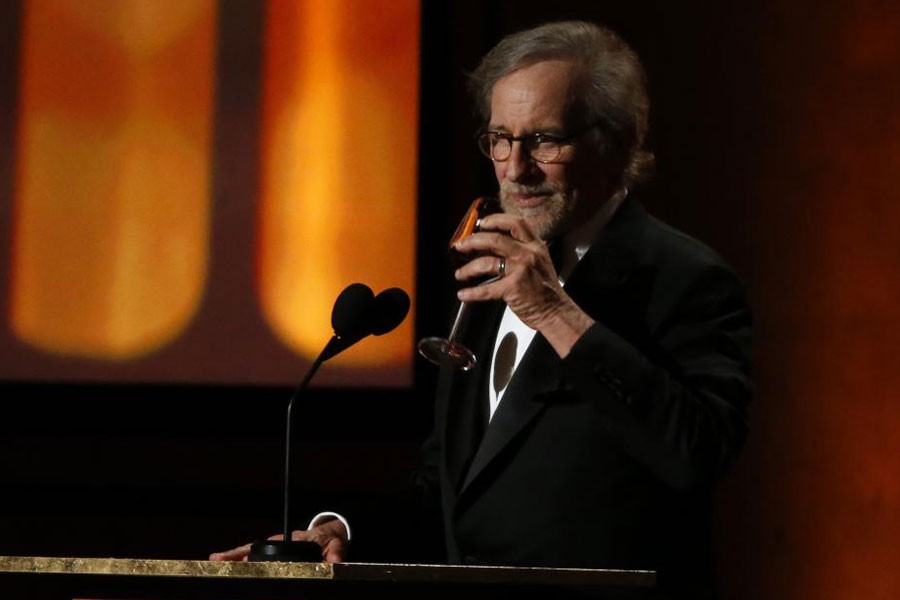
x,y
390,308
357,313
348,317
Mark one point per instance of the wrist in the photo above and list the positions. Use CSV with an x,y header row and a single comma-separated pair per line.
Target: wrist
x,y
565,326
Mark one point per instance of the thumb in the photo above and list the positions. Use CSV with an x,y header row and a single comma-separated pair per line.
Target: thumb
x,y
334,551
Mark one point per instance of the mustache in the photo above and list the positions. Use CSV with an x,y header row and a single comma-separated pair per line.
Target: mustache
x,y
518,189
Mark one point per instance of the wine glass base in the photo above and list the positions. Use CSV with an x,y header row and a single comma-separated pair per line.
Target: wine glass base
x,y
443,352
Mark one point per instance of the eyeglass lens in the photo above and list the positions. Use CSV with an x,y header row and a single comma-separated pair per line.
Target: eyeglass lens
x,y
499,147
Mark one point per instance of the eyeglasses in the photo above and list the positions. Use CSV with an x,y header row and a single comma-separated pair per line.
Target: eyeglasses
x,y
542,147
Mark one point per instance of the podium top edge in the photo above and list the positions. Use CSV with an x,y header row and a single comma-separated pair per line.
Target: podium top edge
x,y
413,573
493,574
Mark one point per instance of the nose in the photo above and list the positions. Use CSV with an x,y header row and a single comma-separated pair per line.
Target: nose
x,y
519,164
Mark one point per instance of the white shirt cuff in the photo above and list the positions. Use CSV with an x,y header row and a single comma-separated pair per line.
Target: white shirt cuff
x,y
325,516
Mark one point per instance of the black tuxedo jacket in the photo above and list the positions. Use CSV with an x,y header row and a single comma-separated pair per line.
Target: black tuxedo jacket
x,y
606,458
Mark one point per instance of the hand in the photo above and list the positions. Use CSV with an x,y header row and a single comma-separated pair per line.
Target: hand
x,y
330,535
530,285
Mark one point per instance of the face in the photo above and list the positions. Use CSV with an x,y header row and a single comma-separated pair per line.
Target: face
x,y
553,198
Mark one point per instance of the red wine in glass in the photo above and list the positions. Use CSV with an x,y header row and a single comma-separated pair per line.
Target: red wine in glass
x,y
449,351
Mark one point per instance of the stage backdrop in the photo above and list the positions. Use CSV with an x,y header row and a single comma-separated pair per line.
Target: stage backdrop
x,y
192,183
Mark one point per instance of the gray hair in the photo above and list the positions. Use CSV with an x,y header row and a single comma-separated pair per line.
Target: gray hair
x,y
613,88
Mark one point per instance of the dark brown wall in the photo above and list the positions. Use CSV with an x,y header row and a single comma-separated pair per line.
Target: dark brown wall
x,y
813,511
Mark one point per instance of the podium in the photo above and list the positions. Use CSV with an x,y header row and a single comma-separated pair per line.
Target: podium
x,y
47,578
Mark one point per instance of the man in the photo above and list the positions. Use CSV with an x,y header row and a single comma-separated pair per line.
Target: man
x,y
612,382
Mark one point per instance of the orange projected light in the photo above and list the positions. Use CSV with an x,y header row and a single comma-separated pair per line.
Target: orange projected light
x,y
339,162
112,202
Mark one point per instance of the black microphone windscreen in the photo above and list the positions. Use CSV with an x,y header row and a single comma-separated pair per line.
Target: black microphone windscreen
x,y
351,311
389,309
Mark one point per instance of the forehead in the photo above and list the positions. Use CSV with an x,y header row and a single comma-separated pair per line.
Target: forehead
x,y
539,95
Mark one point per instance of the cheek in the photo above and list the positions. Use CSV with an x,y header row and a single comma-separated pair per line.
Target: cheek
x,y
556,173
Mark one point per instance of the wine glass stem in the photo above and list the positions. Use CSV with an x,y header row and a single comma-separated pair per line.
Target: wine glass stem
x,y
456,321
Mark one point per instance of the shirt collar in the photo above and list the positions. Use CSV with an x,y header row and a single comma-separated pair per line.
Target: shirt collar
x,y
575,244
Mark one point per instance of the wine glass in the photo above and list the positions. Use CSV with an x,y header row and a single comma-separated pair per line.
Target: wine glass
x,y
448,351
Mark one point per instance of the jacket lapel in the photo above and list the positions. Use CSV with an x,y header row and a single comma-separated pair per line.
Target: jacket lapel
x,y
521,403
466,410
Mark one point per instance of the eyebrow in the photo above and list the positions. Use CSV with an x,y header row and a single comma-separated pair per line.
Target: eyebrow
x,y
555,131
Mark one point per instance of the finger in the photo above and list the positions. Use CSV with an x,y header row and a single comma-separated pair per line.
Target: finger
x,y
489,290
481,267
499,244
239,553
514,226
300,535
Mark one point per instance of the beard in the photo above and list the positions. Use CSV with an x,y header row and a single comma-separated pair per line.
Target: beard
x,y
550,218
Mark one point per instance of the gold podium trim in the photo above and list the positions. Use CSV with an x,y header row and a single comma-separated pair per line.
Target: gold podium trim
x,y
165,568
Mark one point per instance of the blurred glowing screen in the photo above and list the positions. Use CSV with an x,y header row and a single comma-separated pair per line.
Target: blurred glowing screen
x,y
116,226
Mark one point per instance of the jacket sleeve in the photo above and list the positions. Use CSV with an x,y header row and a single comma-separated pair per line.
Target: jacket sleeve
x,y
683,413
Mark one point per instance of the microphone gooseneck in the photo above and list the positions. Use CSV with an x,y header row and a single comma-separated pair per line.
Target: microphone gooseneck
x,y
357,313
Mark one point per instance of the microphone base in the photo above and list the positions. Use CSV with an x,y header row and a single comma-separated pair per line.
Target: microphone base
x,y
281,551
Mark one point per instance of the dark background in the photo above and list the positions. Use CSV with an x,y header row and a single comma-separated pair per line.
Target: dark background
x,y
776,129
